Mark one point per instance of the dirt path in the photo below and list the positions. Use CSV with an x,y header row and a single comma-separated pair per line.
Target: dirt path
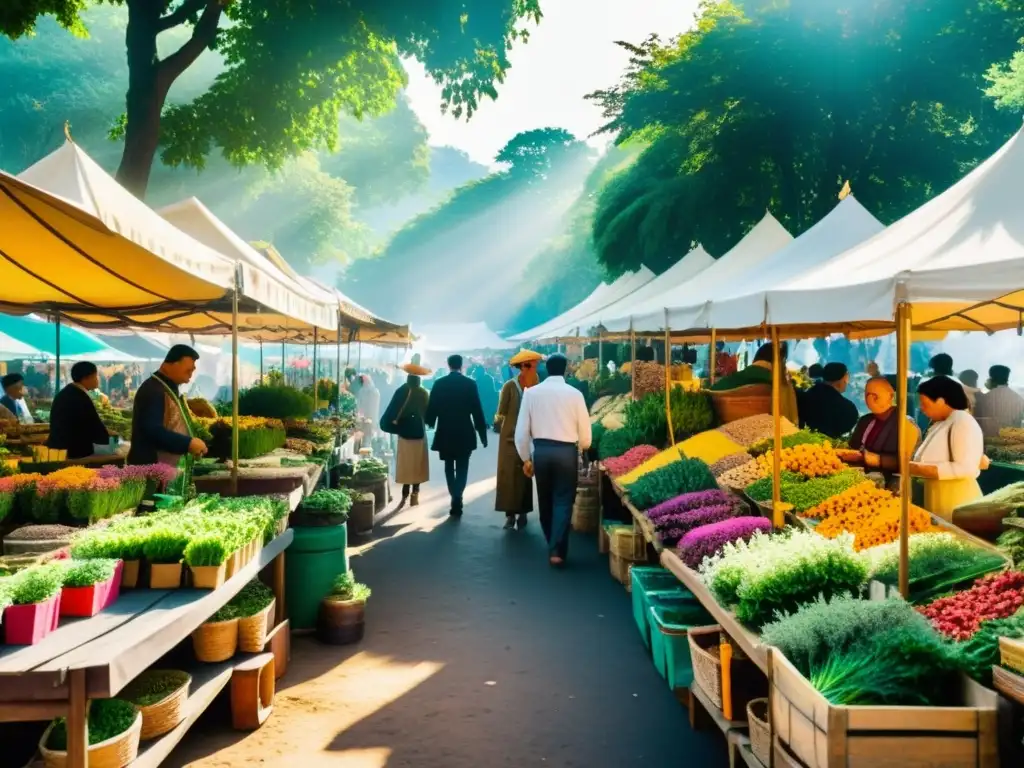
x,y
476,654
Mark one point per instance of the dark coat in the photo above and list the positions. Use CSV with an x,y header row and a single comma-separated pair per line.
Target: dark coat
x,y
455,409
149,435
824,409
74,423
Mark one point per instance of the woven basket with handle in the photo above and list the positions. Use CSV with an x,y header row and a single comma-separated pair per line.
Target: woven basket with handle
x,y
216,641
117,752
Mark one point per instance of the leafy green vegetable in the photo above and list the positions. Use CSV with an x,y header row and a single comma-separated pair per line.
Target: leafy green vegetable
x,y
370,469
85,573
345,587
275,402
679,477
615,442
165,545
154,685
107,718
251,599
36,584
980,653
802,493
207,550
802,437
329,502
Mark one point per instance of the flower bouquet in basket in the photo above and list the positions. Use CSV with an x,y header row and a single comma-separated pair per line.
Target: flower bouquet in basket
x,y
34,609
90,586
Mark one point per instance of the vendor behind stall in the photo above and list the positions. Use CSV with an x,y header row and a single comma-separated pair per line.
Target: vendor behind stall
x,y
161,430
13,398
824,408
952,454
877,434
760,372
75,425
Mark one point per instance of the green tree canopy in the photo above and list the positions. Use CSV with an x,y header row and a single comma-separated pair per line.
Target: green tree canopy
x,y
774,105
291,67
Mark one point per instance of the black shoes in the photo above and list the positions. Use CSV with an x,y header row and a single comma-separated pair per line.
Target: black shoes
x,y
510,522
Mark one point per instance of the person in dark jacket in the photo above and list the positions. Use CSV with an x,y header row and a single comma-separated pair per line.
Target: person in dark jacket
x,y
161,427
455,409
75,426
823,407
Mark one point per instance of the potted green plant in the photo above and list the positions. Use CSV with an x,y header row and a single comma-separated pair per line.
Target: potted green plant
x,y
370,475
254,606
216,639
163,548
90,586
206,556
114,730
34,611
160,695
99,544
360,518
322,508
341,618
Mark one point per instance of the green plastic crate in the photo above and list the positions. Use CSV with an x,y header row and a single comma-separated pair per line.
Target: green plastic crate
x,y
645,580
670,646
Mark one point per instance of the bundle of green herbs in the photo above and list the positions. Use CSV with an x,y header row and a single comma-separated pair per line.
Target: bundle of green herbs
x,y
107,718
36,584
980,652
345,587
837,644
153,686
615,442
250,600
1011,541
370,469
85,573
675,479
335,501
206,550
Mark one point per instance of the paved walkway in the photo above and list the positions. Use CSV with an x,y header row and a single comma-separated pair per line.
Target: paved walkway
x,y
476,654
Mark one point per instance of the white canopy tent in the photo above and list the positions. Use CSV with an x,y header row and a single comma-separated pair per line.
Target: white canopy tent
x,y
765,238
459,337
845,226
675,277
958,260
597,301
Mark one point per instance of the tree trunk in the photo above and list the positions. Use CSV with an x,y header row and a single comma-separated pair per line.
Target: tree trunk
x,y
145,98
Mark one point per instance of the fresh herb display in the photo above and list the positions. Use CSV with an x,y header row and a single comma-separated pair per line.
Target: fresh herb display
x,y
370,469
257,436
5,593
205,551
165,545
792,440
1011,541
780,572
345,587
683,476
980,652
251,599
692,412
153,686
37,584
615,442
646,417
6,504
107,718
708,540
805,494
275,402
85,573
992,597
328,502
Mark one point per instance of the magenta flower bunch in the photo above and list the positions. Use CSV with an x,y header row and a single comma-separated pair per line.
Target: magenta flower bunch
x,y
162,474
630,460
708,540
671,528
687,501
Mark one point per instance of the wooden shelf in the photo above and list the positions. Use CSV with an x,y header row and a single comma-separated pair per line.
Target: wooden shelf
x,y
725,726
747,640
739,749
122,641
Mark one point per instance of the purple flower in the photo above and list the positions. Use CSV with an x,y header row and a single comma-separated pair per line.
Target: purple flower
x,y
689,501
683,522
160,473
708,540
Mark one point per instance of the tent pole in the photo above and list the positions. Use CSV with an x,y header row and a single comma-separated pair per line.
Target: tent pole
x,y
359,359
56,370
632,358
778,518
316,379
261,361
348,352
283,377
600,352
713,356
903,325
668,380
234,388
337,376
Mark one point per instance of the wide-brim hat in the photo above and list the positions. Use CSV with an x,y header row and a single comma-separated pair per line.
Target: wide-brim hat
x,y
525,356
415,370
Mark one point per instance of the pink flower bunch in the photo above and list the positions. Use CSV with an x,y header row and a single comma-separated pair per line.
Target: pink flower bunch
x,y
630,460
100,484
708,540
159,473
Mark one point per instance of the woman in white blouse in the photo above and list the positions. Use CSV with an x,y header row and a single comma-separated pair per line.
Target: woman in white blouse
x,y
952,453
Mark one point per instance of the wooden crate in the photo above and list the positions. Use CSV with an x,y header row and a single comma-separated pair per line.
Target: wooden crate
x,y
820,735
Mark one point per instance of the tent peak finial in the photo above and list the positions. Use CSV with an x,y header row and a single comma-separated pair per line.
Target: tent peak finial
x,y
845,191
67,131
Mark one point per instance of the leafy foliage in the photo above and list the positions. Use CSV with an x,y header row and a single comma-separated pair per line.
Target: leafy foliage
x,y
775,105
275,402
154,685
345,587
36,585
89,572
107,718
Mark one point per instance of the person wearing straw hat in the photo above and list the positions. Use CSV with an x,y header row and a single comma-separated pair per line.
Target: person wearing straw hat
x,y
514,493
405,417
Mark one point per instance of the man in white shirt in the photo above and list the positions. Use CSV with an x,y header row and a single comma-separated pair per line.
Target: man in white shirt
x,y
554,421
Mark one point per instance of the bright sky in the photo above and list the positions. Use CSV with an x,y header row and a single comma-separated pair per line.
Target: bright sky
x,y
570,54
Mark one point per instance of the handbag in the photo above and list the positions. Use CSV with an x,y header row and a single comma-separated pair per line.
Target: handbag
x,y
407,427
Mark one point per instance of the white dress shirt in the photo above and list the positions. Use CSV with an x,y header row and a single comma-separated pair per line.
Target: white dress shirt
x,y
955,446
552,410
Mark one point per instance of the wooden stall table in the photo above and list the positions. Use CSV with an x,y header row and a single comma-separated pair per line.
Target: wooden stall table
x,y
97,657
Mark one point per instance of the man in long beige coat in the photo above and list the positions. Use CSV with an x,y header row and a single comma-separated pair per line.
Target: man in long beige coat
x,y
514,494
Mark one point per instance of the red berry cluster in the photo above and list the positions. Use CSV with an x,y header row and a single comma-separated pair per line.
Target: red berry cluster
x,y
992,597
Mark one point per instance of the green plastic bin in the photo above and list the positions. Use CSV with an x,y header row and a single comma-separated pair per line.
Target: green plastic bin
x,y
645,580
671,619
316,557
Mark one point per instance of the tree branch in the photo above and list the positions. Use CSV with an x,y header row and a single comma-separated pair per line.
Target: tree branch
x,y
203,36
181,15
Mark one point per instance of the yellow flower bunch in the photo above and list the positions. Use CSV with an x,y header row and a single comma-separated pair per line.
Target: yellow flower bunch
x,y
863,495
874,525
244,423
710,446
69,478
808,460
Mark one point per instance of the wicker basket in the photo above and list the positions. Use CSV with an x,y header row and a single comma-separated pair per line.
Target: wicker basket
x,y
586,510
707,666
159,718
629,544
735,404
253,630
619,568
112,753
216,641
760,730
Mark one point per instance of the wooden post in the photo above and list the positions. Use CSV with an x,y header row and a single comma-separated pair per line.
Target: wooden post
x,y
600,352
77,723
778,518
668,380
359,359
277,578
632,360
713,356
261,361
56,369
284,378
903,326
337,376
316,378
234,386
